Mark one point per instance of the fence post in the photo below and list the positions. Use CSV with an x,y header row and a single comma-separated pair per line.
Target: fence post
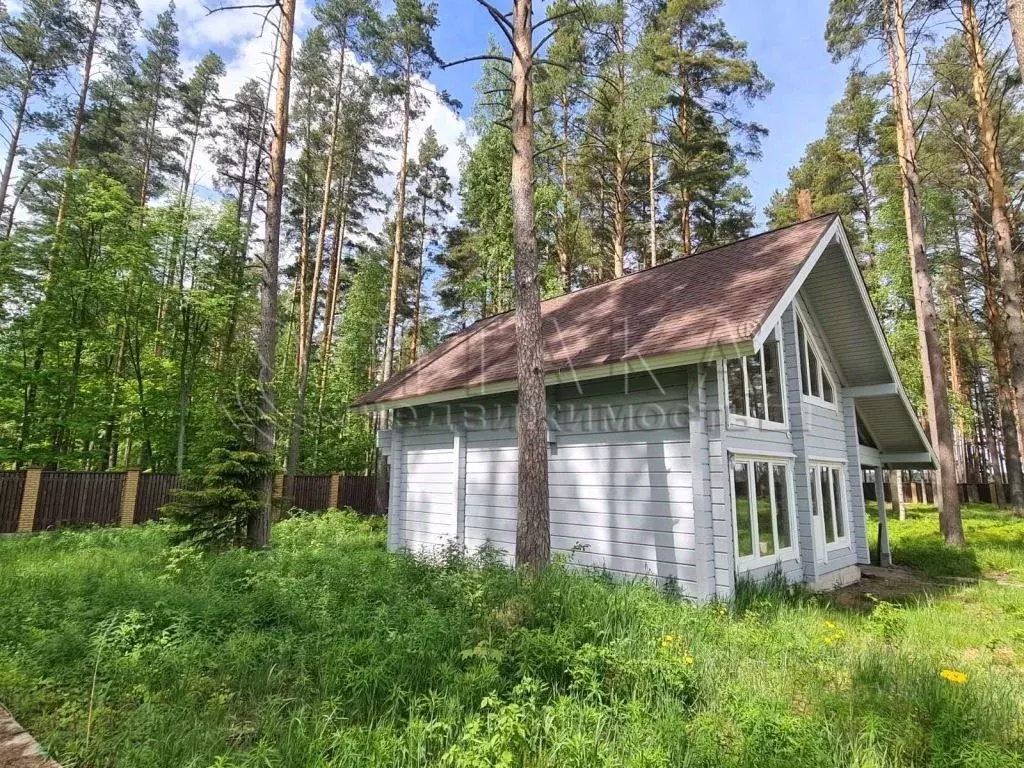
x,y
334,501
129,496
29,500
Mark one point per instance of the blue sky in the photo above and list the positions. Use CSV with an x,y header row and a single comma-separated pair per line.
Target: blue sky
x,y
785,37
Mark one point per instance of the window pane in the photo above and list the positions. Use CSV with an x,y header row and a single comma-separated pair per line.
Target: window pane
x,y
755,380
826,504
741,494
812,369
737,397
837,491
803,357
763,497
782,504
826,388
814,492
773,381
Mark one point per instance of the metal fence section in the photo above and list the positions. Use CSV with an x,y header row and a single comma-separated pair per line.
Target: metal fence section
x,y
12,485
79,498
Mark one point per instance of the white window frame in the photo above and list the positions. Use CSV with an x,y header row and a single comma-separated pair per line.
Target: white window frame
x,y
755,560
824,371
740,420
814,481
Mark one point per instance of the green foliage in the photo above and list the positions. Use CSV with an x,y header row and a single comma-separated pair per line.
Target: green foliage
x,y
215,514
327,651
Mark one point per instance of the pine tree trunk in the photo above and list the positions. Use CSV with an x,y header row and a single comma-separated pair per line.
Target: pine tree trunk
x,y
418,297
396,256
258,529
76,130
1015,11
652,176
340,217
309,323
1009,280
932,363
12,150
533,529
1004,392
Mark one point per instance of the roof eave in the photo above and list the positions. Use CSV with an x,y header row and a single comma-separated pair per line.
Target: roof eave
x,y
569,376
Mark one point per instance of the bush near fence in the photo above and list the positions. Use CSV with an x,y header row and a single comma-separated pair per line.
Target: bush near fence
x,y
40,500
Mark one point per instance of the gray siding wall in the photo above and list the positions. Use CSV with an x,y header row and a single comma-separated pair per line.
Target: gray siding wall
x,y
620,478
426,513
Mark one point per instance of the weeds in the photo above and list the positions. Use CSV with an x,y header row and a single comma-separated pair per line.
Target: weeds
x,y
328,651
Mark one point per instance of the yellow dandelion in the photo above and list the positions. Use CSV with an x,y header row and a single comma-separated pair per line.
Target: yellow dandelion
x,y
687,659
959,678
830,625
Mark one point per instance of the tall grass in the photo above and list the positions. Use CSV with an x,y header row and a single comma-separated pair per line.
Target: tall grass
x,y
328,651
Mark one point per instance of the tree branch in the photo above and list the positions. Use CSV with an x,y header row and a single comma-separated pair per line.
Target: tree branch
x,y
485,57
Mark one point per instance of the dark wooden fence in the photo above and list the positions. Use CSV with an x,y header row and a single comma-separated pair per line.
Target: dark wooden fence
x,y
364,494
311,492
12,484
78,498
154,491
56,498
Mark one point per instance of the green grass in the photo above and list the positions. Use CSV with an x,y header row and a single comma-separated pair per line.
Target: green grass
x,y
995,543
118,650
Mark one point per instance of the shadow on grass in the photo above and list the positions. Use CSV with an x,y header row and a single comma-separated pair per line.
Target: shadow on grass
x,y
995,542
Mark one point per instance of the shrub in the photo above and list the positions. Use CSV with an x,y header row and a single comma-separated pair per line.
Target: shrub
x,y
215,514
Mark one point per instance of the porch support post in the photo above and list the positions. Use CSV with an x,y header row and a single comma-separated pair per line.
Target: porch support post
x,y
884,554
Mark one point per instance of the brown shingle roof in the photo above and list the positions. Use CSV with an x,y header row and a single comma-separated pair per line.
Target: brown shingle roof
x,y
716,298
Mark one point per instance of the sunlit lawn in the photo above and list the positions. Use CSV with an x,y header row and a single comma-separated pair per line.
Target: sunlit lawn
x,y
118,650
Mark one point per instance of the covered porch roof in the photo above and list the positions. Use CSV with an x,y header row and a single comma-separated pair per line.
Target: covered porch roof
x,y
834,290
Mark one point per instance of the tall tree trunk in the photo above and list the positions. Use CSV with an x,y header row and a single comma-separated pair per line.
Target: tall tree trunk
x,y
258,529
533,529
418,297
1015,10
652,202
396,256
305,350
76,129
996,320
12,150
340,217
1009,280
932,363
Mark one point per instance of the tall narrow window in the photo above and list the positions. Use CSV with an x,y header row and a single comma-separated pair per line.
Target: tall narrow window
x,y
737,388
763,499
741,502
773,381
828,498
837,496
755,385
762,509
780,488
815,381
825,476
